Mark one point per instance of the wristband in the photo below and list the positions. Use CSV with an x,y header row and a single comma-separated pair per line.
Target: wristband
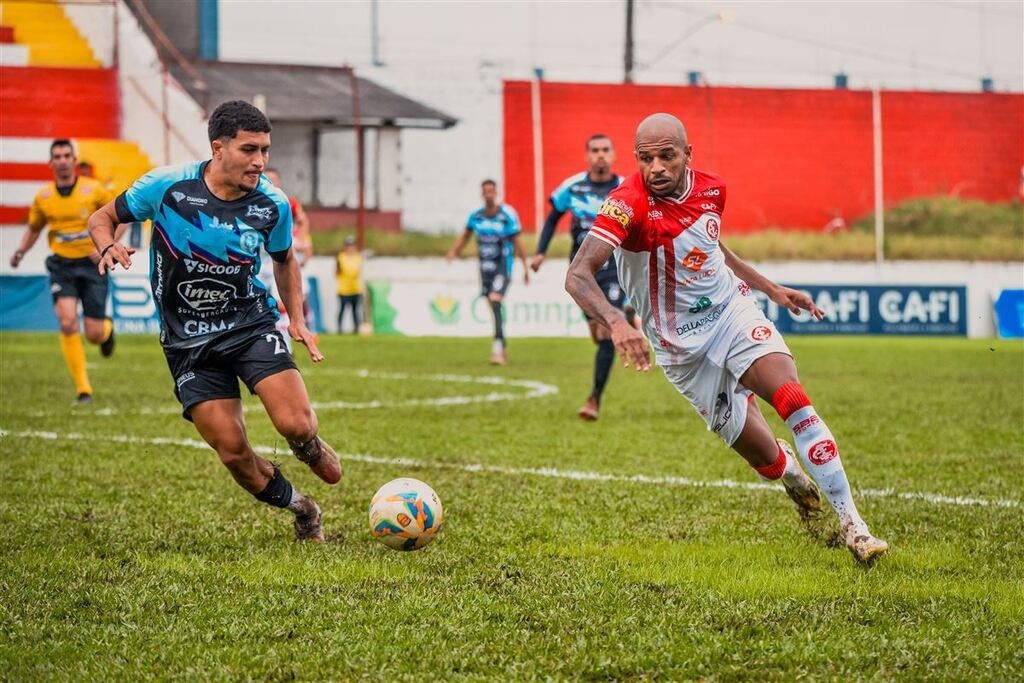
x,y
106,249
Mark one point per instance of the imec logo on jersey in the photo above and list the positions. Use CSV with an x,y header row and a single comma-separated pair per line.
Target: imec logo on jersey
x,y
185,378
713,229
206,294
260,212
823,451
617,210
695,260
200,267
760,333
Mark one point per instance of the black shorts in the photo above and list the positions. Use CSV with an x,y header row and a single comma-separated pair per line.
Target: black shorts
x,y
78,278
612,291
213,370
494,282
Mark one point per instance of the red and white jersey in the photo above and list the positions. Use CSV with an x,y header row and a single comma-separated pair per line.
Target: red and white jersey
x,y
669,260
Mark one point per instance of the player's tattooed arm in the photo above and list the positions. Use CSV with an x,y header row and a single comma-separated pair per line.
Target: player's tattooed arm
x,y
581,284
790,299
105,231
456,249
288,277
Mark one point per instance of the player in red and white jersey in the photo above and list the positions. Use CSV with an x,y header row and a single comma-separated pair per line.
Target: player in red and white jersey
x,y
712,341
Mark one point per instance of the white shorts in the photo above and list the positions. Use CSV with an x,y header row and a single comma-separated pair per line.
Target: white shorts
x,y
710,379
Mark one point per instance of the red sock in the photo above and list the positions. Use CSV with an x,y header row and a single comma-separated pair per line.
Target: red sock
x,y
776,469
789,398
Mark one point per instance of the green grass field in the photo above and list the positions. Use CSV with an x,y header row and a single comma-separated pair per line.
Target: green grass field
x,y
129,554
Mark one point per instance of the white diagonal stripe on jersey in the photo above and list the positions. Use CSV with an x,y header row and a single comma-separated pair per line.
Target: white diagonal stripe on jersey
x,y
547,472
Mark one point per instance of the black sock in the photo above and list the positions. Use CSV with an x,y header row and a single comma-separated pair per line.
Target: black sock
x,y
278,492
499,331
602,366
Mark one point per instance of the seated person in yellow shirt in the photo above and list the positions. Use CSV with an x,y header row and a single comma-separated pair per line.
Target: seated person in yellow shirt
x,y
349,270
65,205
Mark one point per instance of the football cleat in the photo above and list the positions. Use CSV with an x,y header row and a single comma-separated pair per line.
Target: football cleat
x,y
800,488
107,346
307,522
499,358
590,410
320,458
82,400
865,547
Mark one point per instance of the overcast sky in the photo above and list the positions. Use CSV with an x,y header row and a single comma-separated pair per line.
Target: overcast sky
x,y
904,45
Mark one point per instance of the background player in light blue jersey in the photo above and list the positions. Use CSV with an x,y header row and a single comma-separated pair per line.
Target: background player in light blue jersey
x,y
582,196
497,229
217,320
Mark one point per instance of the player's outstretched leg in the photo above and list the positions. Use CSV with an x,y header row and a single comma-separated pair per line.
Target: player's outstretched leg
x,y
774,378
220,423
774,460
287,403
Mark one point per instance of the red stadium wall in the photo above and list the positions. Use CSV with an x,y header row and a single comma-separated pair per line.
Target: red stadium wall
x,y
790,158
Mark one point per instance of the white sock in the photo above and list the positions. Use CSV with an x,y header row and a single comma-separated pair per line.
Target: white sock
x,y
498,346
817,448
293,504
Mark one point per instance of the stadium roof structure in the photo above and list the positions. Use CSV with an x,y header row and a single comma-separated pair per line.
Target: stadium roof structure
x,y
308,94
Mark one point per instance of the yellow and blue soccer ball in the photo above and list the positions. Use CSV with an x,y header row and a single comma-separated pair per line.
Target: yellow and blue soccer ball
x,y
405,514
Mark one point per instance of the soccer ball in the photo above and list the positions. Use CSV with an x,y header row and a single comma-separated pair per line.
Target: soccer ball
x,y
405,514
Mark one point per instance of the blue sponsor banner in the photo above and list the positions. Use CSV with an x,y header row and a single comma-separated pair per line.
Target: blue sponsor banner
x,y
1009,309
26,304
873,309
132,305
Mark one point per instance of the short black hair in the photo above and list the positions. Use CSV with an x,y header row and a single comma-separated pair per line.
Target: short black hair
x,y
61,142
230,117
597,136
488,181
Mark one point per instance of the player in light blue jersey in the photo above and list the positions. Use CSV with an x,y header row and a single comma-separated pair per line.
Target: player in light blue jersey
x,y
217,321
582,195
497,229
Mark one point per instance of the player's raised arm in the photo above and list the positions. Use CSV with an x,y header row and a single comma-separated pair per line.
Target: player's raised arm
x,y
791,299
581,284
103,229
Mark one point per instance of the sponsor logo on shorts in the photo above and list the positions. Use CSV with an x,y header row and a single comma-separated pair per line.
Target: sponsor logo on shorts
x,y
823,451
724,412
263,212
744,289
713,229
206,294
695,325
197,328
213,269
188,376
55,287
700,305
695,260
803,425
618,210
760,333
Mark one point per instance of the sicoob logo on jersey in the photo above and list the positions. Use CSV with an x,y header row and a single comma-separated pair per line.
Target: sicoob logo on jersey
x,y
823,451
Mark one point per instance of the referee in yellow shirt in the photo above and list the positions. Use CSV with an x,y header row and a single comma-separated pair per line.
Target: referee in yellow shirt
x,y
65,206
348,271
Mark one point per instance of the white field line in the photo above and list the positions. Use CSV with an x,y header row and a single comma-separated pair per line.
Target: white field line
x,y
534,389
547,472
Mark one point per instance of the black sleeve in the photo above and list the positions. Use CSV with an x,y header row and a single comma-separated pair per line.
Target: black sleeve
x,y
280,256
548,231
124,214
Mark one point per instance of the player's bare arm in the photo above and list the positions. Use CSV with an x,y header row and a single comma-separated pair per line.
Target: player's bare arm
x,y
288,276
581,284
105,232
460,243
517,245
28,240
791,299
544,239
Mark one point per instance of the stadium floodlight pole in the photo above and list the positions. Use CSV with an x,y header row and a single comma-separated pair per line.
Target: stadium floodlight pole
x,y
357,126
628,75
876,125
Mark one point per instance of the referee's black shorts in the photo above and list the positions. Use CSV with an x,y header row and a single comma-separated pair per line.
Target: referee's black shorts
x,y
79,278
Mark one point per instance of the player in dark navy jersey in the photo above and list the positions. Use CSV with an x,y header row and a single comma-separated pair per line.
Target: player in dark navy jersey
x,y
582,196
497,229
210,220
